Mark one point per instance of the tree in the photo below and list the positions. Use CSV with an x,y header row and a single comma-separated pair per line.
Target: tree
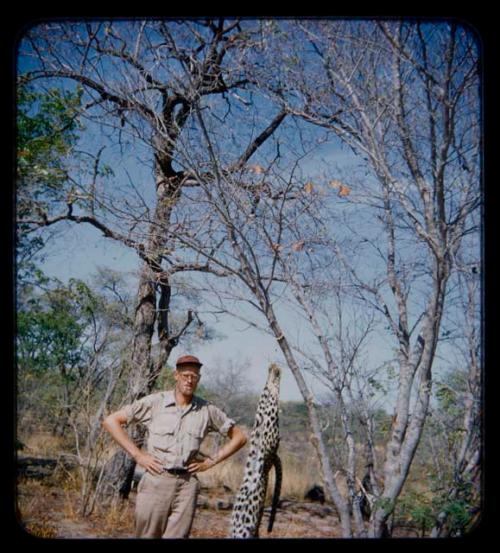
x,y
238,201
68,338
49,333
249,216
404,96
457,422
142,81
229,386
47,130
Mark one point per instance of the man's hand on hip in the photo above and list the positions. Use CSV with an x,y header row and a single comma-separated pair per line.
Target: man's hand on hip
x,y
201,466
150,463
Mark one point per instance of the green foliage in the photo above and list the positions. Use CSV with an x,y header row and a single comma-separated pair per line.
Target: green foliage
x,y
53,348
376,386
392,373
47,340
458,515
51,326
423,516
293,416
166,381
458,507
385,504
47,130
450,390
382,424
427,498
417,509
72,338
106,171
446,398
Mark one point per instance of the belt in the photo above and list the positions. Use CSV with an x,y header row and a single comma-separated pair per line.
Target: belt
x,y
177,471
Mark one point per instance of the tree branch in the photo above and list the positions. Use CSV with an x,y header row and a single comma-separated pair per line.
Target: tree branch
x,y
263,136
124,103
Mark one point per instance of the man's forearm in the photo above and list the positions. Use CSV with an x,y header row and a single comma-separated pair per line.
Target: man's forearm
x,y
121,437
235,443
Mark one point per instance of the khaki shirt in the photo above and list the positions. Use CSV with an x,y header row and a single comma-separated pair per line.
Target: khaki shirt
x,y
175,433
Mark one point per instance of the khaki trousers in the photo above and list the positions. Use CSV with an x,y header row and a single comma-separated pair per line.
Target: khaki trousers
x,y
165,505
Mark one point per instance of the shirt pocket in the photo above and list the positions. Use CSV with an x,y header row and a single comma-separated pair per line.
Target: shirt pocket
x,y
194,436
162,431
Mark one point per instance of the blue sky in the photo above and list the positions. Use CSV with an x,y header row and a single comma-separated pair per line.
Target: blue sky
x,y
82,249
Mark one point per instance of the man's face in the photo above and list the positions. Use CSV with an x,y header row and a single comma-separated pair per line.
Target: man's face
x,y
187,378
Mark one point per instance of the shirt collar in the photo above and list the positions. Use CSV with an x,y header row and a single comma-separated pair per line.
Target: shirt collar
x,y
169,399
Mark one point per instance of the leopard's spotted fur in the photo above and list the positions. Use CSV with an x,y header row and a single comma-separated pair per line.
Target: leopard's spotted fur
x,y
264,442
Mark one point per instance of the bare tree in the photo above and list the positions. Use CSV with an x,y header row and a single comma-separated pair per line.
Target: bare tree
x,y
404,96
461,437
230,381
253,214
142,80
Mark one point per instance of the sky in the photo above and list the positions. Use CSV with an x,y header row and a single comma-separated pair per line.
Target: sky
x,y
83,249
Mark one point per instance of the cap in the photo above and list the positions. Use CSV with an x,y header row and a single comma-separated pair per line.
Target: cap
x,y
188,359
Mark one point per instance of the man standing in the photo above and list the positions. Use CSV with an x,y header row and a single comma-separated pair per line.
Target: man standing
x,y
177,422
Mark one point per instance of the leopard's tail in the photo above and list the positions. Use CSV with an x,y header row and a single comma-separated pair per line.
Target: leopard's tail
x,y
278,474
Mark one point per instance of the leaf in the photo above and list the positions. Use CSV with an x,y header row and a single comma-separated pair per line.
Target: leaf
x,y
344,191
342,188
257,169
298,246
309,187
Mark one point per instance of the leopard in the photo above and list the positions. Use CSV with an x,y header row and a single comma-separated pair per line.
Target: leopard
x,y
263,455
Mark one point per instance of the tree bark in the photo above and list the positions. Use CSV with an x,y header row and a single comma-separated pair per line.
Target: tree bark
x,y
145,370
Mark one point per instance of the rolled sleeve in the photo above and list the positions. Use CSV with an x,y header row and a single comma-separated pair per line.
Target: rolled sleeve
x,y
140,410
219,421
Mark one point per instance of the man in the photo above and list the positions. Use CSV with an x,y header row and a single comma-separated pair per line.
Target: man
x,y
177,422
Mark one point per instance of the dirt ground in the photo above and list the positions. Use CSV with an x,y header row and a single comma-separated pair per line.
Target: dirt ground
x,y
51,511
48,501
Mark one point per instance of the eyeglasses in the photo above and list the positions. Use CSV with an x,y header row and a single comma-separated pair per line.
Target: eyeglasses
x,y
189,376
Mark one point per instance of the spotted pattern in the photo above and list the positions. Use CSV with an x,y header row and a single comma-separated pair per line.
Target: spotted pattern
x,y
264,442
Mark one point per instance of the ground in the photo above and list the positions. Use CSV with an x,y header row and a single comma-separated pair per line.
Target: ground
x,y
49,509
48,503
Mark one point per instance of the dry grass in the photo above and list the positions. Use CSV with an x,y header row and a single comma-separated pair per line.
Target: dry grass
x,y
43,444
229,473
50,507
41,529
295,480
49,511
31,497
299,475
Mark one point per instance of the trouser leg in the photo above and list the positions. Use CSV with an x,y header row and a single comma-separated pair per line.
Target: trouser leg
x,y
153,505
183,508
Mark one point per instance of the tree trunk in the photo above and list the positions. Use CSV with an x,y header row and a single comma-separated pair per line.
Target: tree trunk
x,y
402,447
467,469
145,371
316,438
